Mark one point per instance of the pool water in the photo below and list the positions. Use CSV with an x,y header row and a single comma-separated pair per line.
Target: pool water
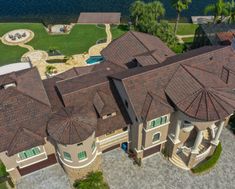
x,y
94,59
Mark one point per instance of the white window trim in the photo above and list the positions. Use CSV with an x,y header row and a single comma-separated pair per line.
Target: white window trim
x,y
155,142
148,130
84,158
68,159
26,159
149,122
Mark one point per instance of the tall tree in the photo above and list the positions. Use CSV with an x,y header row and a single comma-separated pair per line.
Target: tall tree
x,y
137,10
219,9
179,6
231,11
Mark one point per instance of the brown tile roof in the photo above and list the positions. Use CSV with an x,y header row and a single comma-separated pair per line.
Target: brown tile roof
x,y
133,44
24,111
200,94
99,18
72,125
97,95
139,82
225,37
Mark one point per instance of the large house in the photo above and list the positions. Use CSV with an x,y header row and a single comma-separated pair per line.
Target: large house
x,y
142,97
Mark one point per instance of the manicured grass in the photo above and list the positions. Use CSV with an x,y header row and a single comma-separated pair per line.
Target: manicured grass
x,y
188,39
210,162
185,28
3,185
80,39
10,54
119,31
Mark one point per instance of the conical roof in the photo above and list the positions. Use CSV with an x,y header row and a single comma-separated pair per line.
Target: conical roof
x,y
200,94
72,125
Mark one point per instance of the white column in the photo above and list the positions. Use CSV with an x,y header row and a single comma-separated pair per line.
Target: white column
x,y
197,142
177,132
218,133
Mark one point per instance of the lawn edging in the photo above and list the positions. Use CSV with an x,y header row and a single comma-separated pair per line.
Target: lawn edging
x,y
208,163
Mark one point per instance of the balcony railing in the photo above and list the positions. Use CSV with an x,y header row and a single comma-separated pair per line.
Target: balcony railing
x,y
114,138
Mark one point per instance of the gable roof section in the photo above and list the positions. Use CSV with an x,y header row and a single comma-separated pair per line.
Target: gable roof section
x,y
132,44
22,108
24,139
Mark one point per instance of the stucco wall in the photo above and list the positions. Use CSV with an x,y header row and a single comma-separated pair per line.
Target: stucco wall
x,y
74,149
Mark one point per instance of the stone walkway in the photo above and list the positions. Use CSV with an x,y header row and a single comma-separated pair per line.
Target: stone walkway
x,y
52,177
157,172
181,37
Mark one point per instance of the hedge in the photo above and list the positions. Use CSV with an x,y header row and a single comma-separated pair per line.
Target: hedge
x,y
210,162
51,61
3,171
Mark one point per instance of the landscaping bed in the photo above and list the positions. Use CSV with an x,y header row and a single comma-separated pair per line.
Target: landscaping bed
x,y
210,162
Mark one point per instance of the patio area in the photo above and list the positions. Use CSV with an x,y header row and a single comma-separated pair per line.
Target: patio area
x,y
52,177
157,172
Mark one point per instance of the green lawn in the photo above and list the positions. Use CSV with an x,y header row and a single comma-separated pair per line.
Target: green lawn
x,y
80,39
119,31
186,28
188,39
10,54
3,185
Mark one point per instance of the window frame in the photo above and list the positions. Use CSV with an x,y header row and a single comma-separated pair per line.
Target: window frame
x,y
159,139
84,158
162,120
26,154
65,156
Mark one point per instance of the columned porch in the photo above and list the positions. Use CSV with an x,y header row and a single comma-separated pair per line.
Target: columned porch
x,y
193,151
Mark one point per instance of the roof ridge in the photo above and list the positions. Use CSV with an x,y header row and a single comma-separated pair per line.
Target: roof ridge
x,y
48,105
192,75
139,40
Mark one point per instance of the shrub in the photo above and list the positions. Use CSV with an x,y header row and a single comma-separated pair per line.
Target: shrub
x,y
3,172
93,180
178,48
50,69
210,162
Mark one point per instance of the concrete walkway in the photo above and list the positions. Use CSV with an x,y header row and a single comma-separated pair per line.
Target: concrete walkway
x,y
180,37
96,49
52,177
157,172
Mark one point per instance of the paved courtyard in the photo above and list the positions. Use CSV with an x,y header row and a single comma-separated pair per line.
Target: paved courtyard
x,y
52,177
156,172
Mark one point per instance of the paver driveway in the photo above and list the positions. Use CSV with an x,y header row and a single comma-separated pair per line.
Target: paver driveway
x,y
158,173
52,177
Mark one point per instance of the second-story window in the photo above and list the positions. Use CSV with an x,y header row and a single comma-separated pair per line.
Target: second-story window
x,y
82,155
67,156
29,153
158,121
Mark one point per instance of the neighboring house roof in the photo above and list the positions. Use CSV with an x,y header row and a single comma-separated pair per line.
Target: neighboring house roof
x,y
225,38
125,49
99,18
24,111
72,125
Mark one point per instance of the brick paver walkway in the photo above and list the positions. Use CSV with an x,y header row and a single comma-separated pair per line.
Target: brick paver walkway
x,y
158,173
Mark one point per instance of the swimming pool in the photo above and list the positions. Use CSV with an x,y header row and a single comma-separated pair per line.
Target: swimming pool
x,y
94,59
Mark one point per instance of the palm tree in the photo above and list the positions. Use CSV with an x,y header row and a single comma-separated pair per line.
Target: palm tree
x,y
137,10
231,11
179,6
156,10
218,9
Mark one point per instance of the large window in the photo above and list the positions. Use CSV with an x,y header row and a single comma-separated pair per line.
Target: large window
x,y
158,121
67,156
29,153
156,137
82,155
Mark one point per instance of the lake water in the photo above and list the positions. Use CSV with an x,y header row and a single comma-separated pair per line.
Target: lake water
x,y
68,10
